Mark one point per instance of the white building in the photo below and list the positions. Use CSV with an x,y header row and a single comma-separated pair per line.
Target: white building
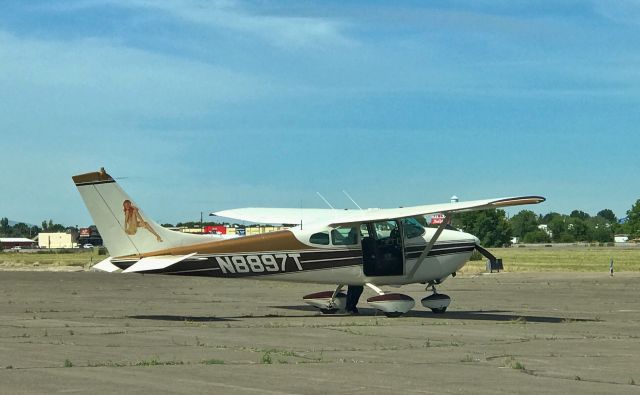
x,y
56,240
621,238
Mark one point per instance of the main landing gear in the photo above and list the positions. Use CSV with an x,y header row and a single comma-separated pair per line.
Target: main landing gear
x,y
328,302
390,304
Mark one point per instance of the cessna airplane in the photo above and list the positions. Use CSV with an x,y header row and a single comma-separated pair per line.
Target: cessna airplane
x,y
372,247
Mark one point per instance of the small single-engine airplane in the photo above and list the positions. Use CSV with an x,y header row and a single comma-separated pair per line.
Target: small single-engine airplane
x,y
372,247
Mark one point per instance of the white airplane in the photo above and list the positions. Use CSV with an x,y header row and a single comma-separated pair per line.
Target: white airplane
x,y
373,247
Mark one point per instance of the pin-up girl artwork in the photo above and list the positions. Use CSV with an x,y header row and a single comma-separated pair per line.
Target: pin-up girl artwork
x,y
133,220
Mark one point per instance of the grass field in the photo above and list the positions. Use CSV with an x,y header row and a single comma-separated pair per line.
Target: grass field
x,y
82,258
529,259
562,259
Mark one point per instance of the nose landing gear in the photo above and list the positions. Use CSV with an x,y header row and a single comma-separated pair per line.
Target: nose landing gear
x,y
438,303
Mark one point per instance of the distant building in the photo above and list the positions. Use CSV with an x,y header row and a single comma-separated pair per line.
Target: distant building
x,y
621,238
436,219
215,229
7,243
90,235
57,240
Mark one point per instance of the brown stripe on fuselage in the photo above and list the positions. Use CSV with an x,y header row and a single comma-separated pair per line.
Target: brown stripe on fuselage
x,y
282,240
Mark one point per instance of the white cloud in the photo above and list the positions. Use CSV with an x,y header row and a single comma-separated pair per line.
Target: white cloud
x,y
99,80
621,11
277,30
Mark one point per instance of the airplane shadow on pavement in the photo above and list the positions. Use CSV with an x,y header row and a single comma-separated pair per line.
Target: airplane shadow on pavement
x,y
179,318
483,315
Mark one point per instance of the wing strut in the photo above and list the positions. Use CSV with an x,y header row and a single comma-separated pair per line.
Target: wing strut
x,y
432,242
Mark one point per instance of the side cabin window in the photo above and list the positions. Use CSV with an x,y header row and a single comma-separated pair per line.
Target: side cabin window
x,y
321,238
344,236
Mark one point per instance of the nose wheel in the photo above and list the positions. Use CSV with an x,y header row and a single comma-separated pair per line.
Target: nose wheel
x,y
438,303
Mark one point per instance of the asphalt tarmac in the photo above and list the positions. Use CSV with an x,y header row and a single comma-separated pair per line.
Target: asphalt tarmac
x,y
91,332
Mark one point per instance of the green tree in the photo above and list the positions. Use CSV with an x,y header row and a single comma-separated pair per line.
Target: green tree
x,y
608,215
579,214
557,225
50,227
490,226
4,226
549,217
579,229
566,237
632,226
21,230
526,221
537,236
602,234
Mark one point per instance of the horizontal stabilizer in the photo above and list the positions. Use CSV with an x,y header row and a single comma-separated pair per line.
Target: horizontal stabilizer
x,y
105,266
156,262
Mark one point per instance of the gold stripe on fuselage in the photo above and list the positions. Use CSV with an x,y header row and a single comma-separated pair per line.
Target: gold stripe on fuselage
x,y
282,240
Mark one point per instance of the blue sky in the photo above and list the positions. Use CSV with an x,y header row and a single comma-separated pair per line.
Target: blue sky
x,y
203,106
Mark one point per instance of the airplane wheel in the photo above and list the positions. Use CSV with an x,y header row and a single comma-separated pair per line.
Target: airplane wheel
x,y
439,311
395,314
329,311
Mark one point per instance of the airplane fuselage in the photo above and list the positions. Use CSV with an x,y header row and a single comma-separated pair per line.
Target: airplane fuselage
x,y
290,256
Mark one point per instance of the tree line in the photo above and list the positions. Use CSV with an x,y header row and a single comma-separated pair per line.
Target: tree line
x,y
494,229
25,230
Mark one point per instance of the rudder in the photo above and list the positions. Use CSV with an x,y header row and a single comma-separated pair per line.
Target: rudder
x,y
125,230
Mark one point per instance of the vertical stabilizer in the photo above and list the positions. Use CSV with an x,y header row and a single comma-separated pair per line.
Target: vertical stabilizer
x,y
125,230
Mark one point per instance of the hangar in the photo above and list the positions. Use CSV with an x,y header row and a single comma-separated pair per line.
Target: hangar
x,y
14,242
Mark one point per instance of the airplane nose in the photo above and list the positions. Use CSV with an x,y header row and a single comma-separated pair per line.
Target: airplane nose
x,y
469,236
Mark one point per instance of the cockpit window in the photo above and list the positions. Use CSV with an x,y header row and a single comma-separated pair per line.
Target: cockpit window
x,y
320,238
412,228
344,236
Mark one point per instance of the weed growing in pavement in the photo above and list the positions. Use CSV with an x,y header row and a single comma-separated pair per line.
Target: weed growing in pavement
x,y
468,358
266,358
156,362
212,361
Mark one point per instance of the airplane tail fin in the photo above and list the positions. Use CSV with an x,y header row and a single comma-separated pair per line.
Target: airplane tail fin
x,y
125,230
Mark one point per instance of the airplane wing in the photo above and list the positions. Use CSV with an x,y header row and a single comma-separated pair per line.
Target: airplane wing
x,y
264,215
414,211
344,217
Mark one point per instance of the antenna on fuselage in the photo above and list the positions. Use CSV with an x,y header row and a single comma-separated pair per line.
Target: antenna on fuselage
x,y
325,200
350,198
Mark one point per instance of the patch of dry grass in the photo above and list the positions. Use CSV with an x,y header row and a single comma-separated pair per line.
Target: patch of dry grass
x,y
562,259
79,258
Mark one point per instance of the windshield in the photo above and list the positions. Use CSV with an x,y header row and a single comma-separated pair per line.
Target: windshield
x,y
412,228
